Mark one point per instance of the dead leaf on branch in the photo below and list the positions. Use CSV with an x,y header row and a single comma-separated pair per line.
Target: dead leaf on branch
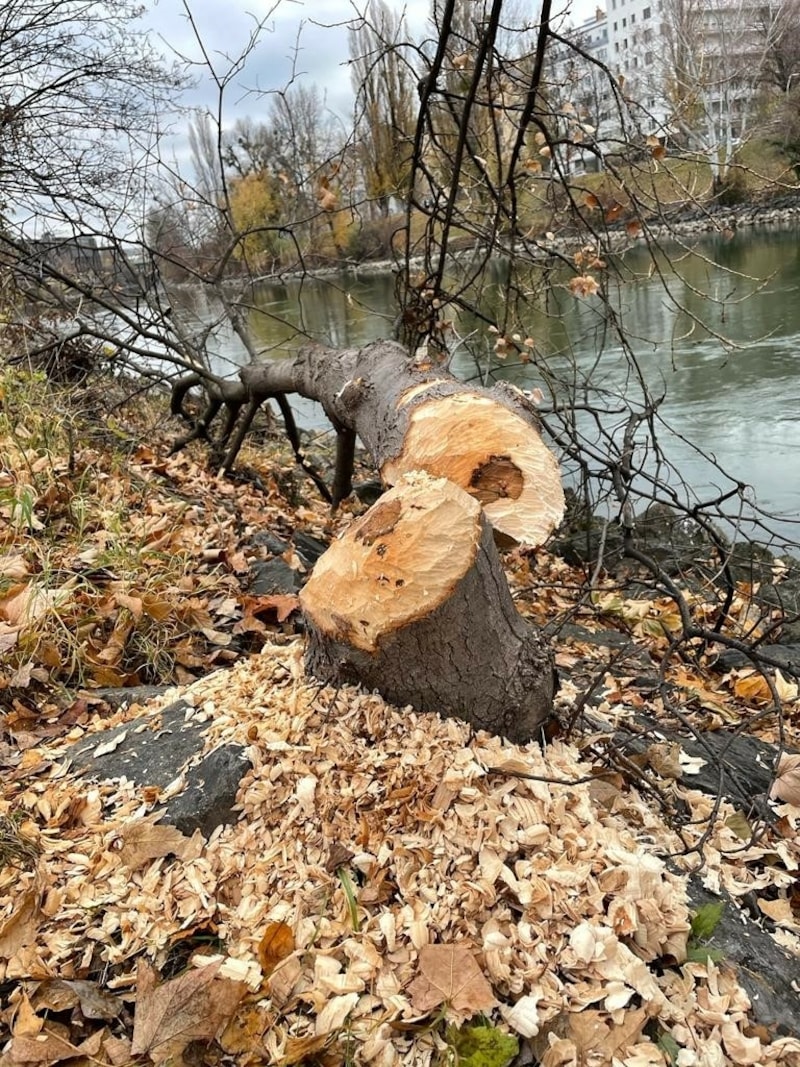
x,y
449,974
192,1007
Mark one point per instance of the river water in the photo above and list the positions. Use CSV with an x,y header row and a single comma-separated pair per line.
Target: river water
x,y
721,341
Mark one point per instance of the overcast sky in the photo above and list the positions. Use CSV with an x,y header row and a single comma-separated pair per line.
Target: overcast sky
x,y
307,38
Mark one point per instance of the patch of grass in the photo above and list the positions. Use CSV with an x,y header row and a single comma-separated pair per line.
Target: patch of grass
x,y
16,849
119,566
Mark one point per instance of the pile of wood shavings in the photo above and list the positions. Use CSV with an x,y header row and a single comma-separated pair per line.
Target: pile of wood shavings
x,y
564,901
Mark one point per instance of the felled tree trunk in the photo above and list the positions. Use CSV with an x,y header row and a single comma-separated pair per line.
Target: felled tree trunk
x,y
412,601
485,440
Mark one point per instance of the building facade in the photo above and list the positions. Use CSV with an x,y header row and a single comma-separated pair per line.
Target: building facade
x,y
685,71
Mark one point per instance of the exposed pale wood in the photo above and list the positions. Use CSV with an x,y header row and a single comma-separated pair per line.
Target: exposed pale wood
x,y
485,440
396,564
412,601
492,453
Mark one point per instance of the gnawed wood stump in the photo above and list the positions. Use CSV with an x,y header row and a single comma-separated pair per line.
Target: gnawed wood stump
x,y
412,601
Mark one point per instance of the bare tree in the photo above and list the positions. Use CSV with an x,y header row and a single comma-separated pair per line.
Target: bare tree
x,y
712,58
81,87
779,27
384,85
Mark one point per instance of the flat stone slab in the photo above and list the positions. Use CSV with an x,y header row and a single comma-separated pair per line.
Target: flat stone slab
x,y
154,750
765,970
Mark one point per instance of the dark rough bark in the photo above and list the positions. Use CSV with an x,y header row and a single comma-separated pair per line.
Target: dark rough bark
x,y
363,389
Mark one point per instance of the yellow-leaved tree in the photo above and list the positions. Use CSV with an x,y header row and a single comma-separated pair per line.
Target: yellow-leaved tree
x,y
253,208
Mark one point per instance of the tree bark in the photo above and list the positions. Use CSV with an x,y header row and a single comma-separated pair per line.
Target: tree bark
x,y
412,601
486,441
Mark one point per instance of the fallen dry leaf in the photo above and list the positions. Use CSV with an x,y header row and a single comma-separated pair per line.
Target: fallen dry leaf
x,y
449,974
51,1047
299,1049
786,786
117,1051
192,1007
58,994
274,947
21,926
144,839
244,1032
665,759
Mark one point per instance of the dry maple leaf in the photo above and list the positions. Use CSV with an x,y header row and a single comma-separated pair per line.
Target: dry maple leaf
x,y
449,974
192,1007
143,840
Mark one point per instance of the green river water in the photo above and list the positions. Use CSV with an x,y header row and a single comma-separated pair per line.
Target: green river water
x,y
732,390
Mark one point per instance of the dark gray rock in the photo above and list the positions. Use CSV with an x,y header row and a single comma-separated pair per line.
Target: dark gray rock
x,y
764,969
737,765
786,657
785,596
154,750
273,576
210,794
750,562
674,540
273,544
308,548
677,543
149,751
125,697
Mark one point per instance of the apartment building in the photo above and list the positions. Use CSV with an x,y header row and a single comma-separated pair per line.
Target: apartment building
x,y
637,55
687,71
582,91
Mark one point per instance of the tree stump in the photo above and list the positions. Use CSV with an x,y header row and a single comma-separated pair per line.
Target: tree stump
x,y
412,601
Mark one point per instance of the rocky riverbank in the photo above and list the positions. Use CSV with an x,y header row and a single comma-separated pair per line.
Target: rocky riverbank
x,y
783,211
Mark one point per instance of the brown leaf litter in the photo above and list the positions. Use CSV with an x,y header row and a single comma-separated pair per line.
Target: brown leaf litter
x,y
546,905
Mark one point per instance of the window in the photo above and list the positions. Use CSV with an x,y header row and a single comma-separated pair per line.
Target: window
x,y
633,18
615,27
624,23
616,46
646,13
